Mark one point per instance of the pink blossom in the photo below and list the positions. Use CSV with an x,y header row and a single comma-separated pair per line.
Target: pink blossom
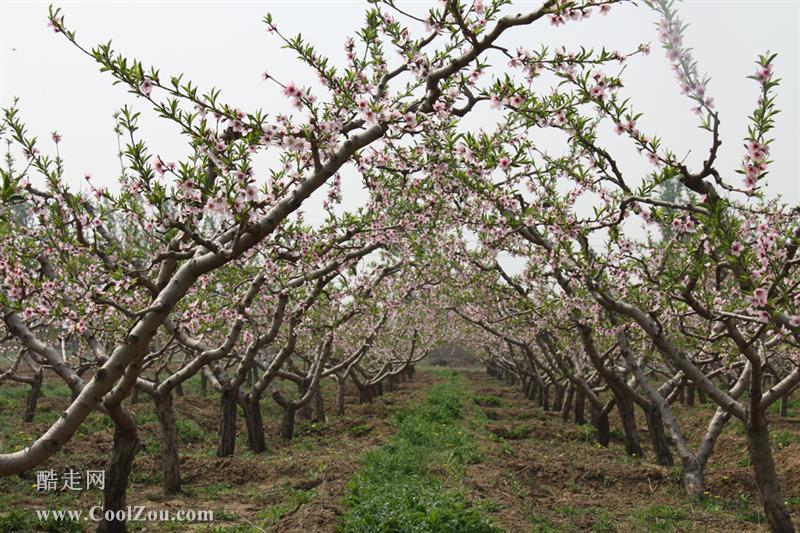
x,y
764,74
370,117
251,193
146,87
504,162
291,90
760,296
736,248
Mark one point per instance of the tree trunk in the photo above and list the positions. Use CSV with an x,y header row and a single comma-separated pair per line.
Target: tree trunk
x,y
118,470
33,397
227,422
690,388
546,397
694,481
566,409
600,420
287,424
203,385
256,439
628,418
340,386
766,477
306,413
658,437
530,392
558,397
784,412
318,404
170,460
580,407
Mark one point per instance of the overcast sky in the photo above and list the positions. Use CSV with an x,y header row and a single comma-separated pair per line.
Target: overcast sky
x,y
226,45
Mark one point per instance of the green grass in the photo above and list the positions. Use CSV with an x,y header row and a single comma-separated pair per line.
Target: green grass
x,y
742,507
403,485
189,431
488,401
292,500
24,521
660,517
782,438
359,430
793,406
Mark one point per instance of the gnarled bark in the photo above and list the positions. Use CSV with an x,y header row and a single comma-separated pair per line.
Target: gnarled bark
x,y
170,460
118,470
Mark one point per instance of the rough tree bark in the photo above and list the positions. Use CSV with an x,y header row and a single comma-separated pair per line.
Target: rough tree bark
x,y
118,470
658,438
33,396
580,407
170,460
256,439
227,422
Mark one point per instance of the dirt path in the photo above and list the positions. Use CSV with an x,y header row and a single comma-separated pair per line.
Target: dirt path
x,y
547,475
318,474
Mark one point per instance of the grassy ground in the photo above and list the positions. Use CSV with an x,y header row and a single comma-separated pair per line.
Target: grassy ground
x,y
446,452
412,483
295,486
549,476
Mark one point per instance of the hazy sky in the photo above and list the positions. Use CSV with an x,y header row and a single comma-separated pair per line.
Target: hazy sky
x,y
227,45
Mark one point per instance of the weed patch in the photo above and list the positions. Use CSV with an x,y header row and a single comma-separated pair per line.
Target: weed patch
x,y
399,487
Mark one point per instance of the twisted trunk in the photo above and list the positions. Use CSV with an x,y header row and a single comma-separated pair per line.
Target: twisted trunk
x,y
33,396
256,439
170,460
227,422
287,423
118,470
658,438
580,407
766,477
567,407
318,404
628,419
